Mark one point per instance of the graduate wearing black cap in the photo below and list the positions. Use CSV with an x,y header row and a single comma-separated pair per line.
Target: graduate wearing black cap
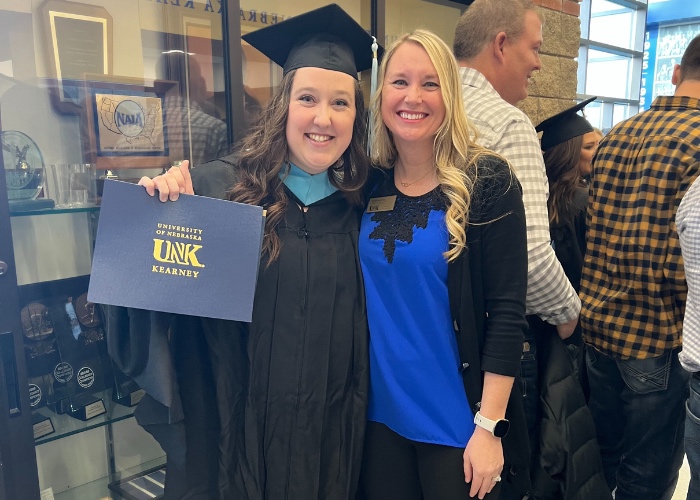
x,y
566,457
568,146
275,409
565,125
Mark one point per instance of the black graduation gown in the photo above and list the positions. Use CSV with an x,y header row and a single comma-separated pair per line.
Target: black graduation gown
x,y
569,236
288,391
569,241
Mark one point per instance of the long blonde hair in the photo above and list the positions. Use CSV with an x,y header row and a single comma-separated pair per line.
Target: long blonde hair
x,y
455,153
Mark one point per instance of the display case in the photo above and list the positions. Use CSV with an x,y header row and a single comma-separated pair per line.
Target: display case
x,y
80,404
89,90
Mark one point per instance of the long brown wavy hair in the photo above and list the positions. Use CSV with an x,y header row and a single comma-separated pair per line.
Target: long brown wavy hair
x,y
263,153
561,162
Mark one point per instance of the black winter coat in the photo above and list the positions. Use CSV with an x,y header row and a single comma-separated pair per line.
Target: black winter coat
x,y
567,464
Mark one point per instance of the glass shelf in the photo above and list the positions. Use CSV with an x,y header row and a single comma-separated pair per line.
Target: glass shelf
x,y
65,425
99,489
54,211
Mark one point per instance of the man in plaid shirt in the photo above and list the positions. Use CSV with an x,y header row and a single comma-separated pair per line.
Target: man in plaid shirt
x,y
497,44
633,289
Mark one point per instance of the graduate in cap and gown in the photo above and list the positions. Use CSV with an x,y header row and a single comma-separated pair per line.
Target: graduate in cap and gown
x,y
275,408
568,145
566,461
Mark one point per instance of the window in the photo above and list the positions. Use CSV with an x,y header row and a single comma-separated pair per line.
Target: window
x,y
612,24
608,74
611,58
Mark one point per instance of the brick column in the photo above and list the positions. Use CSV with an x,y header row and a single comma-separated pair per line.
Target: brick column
x,y
553,88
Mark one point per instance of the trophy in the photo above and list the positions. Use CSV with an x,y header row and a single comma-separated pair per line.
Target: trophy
x,y
125,391
77,374
24,172
41,356
38,396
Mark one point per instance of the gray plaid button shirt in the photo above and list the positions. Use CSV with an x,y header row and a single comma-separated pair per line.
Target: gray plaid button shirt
x,y
506,130
688,224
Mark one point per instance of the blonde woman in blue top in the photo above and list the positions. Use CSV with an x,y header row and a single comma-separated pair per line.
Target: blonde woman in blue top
x,y
443,253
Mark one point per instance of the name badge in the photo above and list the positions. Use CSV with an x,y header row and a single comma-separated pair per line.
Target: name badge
x,y
382,204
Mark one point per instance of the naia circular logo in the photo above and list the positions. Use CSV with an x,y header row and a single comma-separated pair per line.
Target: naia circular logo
x,y
129,118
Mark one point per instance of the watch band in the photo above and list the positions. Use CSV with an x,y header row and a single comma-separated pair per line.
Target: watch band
x,y
484,423
499,428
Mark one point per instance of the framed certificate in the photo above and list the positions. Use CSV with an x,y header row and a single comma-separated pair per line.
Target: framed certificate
x,y
79,43
125,124
129,123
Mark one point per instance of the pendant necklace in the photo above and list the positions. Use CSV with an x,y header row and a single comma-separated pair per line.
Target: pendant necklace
x,y
406,184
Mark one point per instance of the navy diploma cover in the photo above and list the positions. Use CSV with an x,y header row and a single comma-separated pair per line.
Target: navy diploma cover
x,y
196,256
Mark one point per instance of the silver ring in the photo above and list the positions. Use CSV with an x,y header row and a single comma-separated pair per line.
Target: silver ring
x,y
496,479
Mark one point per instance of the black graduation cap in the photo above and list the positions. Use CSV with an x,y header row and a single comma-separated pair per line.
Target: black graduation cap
x,y
564,126
325,38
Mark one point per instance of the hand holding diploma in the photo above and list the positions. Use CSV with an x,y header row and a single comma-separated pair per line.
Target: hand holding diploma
x,y
171,184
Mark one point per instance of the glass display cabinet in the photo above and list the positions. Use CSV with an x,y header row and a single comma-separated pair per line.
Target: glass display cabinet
x,y
89,90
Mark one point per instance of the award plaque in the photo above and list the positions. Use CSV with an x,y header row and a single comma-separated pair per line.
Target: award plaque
x,y
86,406
88,316
61,376
42,426
35,395
39,339
39,391
36,321
24,172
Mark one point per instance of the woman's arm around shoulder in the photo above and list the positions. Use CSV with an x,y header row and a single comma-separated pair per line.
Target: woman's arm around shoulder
x,y
496,191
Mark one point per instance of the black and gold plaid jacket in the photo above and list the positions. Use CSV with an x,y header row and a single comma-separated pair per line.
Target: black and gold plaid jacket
x,y
633,285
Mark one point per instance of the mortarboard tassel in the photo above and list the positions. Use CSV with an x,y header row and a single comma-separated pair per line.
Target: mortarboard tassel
x,y
372,90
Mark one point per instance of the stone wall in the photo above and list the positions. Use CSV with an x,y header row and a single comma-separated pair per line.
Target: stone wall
x,y
553,88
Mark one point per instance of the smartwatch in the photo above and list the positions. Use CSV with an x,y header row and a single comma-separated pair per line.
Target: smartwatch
x,y
499,428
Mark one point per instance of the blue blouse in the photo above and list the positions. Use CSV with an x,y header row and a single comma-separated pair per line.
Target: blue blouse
x,y
416,388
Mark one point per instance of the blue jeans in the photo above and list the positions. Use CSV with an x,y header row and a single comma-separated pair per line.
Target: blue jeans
x,y
692,436
639,410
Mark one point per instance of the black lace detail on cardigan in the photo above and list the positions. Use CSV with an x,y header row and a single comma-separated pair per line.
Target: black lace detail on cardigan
x,y
408,213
